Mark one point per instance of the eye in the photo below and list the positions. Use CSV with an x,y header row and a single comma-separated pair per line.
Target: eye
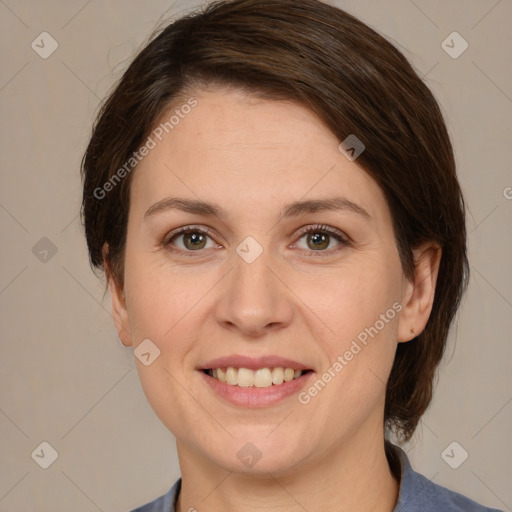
x,y
318,239
189,239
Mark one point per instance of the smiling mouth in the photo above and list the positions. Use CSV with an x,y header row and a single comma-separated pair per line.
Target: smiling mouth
x,y
261,378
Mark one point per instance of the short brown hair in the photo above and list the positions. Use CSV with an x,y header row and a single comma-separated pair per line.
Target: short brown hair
x,y
357,83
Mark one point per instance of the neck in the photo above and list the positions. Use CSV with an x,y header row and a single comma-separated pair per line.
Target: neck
x,y
354,477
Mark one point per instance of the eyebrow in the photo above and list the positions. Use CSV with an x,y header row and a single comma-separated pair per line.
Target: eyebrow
x,y
292,210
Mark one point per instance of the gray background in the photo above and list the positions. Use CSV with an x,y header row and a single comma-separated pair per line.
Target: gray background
x,y
64,376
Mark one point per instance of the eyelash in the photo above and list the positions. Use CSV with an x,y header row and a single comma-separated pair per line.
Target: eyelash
x,y
318,228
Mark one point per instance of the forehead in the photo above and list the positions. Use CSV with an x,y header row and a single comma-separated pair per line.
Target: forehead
x,y
234,147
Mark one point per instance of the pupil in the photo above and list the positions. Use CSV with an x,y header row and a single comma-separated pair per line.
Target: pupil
x,y
194,239
320,240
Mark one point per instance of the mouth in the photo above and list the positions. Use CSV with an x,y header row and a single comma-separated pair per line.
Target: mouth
x,y
258,378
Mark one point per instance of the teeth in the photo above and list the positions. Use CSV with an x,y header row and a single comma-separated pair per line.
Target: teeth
x,y
262,378
277,376
221,375
246,377
231,376
288,374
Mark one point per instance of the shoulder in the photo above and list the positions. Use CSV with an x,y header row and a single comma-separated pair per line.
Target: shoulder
x,y
431,496
420,494
165,503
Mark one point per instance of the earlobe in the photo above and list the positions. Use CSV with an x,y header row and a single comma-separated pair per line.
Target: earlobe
x,y
419,292
117,296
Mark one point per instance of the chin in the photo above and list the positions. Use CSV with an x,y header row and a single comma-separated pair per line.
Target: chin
x,y
257,454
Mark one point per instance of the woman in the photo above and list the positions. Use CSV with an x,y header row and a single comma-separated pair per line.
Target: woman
x,y
271,191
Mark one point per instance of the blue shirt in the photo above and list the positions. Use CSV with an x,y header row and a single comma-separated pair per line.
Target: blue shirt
x,y
417,494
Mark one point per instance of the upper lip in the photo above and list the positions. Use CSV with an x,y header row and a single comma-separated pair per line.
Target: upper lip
x,y
253,363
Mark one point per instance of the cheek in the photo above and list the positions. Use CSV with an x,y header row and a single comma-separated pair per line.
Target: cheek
x,y
351,298
340,301
162,309
160,295
356,320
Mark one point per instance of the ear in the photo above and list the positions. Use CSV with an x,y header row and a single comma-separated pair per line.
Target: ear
x,y
119,310
419,292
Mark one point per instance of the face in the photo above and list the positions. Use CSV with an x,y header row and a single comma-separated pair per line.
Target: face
x,y
267,274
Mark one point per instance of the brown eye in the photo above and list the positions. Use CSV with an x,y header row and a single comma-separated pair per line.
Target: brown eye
x,y
319,238
318,241
194,240
189,239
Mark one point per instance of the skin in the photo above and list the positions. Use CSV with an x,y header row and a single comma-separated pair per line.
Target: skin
x,y
252,157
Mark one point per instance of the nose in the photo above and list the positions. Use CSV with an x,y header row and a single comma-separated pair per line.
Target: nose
x,y
254,299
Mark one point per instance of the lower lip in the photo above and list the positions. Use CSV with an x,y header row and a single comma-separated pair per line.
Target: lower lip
x,y
256,397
